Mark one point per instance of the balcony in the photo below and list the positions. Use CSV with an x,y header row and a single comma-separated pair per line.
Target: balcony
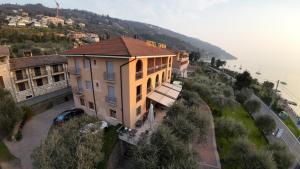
x,y
163,66
138,75
150,70
111,100
77,91
138,97
110,76
157,84
74,71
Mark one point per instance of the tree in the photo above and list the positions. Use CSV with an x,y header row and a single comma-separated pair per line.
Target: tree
x,y
281,155
243,95
243,155
265,123
220,63
165,151
194,56
191,98
229,128
66,147
213,61
243,80
10,114
252,106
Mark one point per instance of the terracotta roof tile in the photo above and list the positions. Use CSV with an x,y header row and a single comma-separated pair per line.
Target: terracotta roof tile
x,y
24,62
122,46
4,51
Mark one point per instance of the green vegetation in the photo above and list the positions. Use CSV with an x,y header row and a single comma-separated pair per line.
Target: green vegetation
x,y
291,125
110,139
67,147
266,124
5,155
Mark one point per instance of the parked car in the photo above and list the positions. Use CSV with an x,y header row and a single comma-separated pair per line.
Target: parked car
x,y
279,132
67,115
283,115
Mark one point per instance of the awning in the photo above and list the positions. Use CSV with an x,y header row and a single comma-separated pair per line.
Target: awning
x,y
162,99
168,92
165,94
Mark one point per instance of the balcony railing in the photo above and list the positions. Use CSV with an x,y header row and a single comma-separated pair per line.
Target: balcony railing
x,y
138,75
78,91
111,100
21,77
150,70
109,76
157,84
138,97
74,71
149,89
163,66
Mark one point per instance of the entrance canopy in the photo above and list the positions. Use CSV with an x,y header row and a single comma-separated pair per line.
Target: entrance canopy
x,y
165,94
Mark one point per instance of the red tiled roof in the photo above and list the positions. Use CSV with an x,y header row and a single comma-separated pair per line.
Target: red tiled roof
x,y
123,46
4,51
24,62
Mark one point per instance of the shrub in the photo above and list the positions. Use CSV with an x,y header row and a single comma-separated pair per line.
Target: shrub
x,y
281,155
229,128
191,98
243,95
252,106
10,114
27,113
19,135
265,123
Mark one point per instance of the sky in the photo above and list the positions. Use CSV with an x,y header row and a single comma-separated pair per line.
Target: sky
x,y
239,26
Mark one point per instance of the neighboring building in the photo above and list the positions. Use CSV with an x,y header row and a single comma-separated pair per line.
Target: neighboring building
x,y
28,77
91,38
69,22
81,25
52,20
181,63
76,35
117,79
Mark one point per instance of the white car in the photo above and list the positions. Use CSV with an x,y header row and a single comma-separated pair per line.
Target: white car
x,y
279,133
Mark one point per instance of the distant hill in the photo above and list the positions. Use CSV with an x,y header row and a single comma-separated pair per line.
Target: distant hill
x,y
105,25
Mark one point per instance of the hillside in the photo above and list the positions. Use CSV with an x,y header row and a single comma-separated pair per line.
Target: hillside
x,y
105,25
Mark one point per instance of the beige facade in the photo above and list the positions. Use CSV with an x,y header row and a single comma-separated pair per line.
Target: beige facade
x,y
33,76
181,63
139,76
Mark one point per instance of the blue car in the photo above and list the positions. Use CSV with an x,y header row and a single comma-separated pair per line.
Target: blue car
x,y
67,115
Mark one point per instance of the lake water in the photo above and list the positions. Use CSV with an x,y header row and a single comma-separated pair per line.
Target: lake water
x,y
283,69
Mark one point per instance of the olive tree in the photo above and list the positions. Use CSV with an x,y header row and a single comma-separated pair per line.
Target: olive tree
x,y
265,123
229,128
10,114
66,147
243,95
252,106
283,158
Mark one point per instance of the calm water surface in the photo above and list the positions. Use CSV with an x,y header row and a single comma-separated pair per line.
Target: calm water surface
x,y
283,69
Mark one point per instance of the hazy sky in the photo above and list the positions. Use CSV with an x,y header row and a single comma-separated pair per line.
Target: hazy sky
x,y
242,27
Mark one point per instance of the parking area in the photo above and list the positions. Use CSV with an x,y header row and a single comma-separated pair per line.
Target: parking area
x,y
34,132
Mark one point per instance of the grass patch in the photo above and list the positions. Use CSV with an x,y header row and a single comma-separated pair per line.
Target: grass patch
x,y
5,155
109,142
291,125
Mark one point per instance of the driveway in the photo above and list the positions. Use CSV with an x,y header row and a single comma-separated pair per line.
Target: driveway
x,y
34,132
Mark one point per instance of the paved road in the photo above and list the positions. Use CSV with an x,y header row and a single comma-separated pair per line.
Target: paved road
x,y
34,132
287,137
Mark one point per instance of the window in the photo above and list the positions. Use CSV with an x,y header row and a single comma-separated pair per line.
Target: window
x,y
37,71
170,62
113,113
82,101
111,91
88,85
55,68
138,93
139,70
109,67
21,86
91,105
39,82
56,78
86,63
19,75
163,77
77,66
149,86
138,111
